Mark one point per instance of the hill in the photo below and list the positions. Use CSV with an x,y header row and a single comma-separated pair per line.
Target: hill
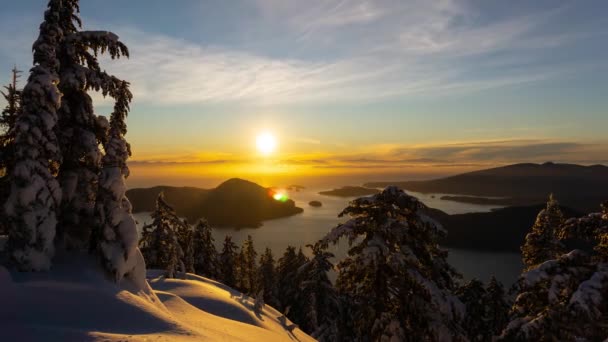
x,y
76,302
234,203
499,230
576,186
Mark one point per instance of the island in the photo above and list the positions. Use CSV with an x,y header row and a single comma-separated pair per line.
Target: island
x,y
295,187
234,203
315,204
350,191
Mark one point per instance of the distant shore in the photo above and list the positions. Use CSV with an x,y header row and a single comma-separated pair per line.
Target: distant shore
x,y
350,191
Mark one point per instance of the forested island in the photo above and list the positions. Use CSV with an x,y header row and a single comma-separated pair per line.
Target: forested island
x,y
234,203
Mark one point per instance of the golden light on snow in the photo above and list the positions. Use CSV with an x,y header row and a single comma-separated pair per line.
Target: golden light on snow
x,y
266,143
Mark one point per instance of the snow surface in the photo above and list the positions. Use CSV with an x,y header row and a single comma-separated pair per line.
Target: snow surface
x,y
76,302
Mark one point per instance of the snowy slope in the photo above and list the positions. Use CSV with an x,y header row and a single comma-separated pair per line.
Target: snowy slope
x,y
74,302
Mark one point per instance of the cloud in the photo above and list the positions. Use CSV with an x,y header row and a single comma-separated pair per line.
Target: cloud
x,y
354,52
476,154
170,71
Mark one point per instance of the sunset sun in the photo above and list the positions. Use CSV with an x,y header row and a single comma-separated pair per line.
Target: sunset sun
x,y
266,143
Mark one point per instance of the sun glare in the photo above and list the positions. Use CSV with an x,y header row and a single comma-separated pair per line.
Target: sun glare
x,y
266,143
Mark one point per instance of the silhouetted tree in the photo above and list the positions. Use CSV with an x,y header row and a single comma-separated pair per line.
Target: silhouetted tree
x,y
185,238
267,278
396,276
228,260
473,295
542,243
289,281
159,243
205,255
8,118
497,307
321,299
248,267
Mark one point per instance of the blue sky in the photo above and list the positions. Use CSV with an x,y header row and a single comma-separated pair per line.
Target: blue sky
x,y
466,82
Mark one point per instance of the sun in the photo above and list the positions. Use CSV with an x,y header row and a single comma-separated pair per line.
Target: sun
x,y
266,143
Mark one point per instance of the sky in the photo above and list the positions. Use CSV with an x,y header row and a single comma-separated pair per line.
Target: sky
x,y
375,89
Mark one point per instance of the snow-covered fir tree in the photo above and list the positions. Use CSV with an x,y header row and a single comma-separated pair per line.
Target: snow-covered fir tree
x,y
541,242
497,307
82,132
8,118
205,256
473,295
35,195
396,276
566,298
115,233
267,278
322,302
159,242
228,261
248,267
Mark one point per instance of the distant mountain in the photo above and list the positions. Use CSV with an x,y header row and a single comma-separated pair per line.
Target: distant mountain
x,y
498,230
576,186
235,203
350,191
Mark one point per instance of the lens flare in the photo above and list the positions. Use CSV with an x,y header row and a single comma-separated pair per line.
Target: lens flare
x,y
280,196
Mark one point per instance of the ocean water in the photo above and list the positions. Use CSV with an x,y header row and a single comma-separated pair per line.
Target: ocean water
x,y
312,225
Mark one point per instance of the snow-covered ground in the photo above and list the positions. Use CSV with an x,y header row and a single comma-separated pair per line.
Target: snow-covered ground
x,y
74,302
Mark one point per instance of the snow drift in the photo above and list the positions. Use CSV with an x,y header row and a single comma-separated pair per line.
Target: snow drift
x,y
76,302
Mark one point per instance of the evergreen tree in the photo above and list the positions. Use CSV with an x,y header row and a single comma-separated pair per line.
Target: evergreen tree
x,y
288,287
248,267
473,295
205,256
115,235
8,118
322,302
82,132
159,243
241,278
289,282
395,274
497,307
184,237
541,243
566,298
228,261
34,192
267,278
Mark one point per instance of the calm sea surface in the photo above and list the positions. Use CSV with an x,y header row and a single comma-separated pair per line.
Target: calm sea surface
x,y
314,223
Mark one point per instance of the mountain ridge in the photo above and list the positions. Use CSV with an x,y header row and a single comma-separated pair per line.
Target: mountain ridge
x,y
577,186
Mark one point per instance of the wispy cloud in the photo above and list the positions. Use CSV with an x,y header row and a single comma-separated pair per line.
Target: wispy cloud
x,y
417,48
375,50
